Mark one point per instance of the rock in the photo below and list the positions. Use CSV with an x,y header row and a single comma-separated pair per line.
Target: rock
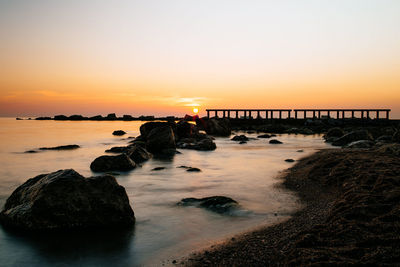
x,y
396,137
40,118
351,137
147,127
31,151
300,150
334,133
160,139
206,144
60,118
112,163
138,154
392,149
66,147
219,204
65,200
242,142
77,118
158,168
384,139
193,169
185,129
118,149
289,160
127,118
119,132
264,136
111,116
183,167
240,138
96,118
361,144
274,141
218,127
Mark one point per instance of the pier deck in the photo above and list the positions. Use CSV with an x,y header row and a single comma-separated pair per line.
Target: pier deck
x,y
299,113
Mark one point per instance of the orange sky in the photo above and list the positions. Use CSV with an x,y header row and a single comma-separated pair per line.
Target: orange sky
x,y
161,58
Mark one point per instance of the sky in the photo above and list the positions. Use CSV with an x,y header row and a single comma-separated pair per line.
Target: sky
x,y
163,57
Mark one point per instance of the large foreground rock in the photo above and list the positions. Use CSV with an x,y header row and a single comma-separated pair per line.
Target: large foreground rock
x,y
66,200
112,163
218,127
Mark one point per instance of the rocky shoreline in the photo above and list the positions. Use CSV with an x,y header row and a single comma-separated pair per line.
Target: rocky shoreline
x,y
350,216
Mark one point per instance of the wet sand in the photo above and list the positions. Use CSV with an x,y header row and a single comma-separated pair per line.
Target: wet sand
x,y
350,216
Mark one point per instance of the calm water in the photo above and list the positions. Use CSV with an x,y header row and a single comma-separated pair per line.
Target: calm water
x,y
247,173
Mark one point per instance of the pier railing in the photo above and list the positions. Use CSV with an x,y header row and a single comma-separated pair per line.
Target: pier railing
x,y
298,113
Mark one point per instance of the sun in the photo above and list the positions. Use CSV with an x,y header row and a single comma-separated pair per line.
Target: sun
x,y
195,110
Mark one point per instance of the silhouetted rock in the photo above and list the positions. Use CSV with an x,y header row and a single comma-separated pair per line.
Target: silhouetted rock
x,y
240,138
111,116
193,169
274,141
218,204
146,128
185,130
31,151
289,160
127,118
158,168
66,147
41,118
65,200
77,118
242,142
300,150
19,119
160,139
351,137
96,118
119,132
218,127
112,163
391,149
60,118
264,136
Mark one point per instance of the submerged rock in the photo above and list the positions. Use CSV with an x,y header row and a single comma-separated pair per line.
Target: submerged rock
x,y
274,141
219,204
65,200
193,169
112,163
119,132
158,168
66,147
118,149
240,138
203,144
264,136
31,151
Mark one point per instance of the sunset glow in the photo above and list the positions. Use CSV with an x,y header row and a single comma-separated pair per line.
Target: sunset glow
x,y
161,57
195,110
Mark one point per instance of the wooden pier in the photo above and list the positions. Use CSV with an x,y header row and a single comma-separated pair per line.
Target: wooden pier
x,y
299,113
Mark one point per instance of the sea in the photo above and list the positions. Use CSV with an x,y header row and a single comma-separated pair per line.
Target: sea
x,y
164,232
